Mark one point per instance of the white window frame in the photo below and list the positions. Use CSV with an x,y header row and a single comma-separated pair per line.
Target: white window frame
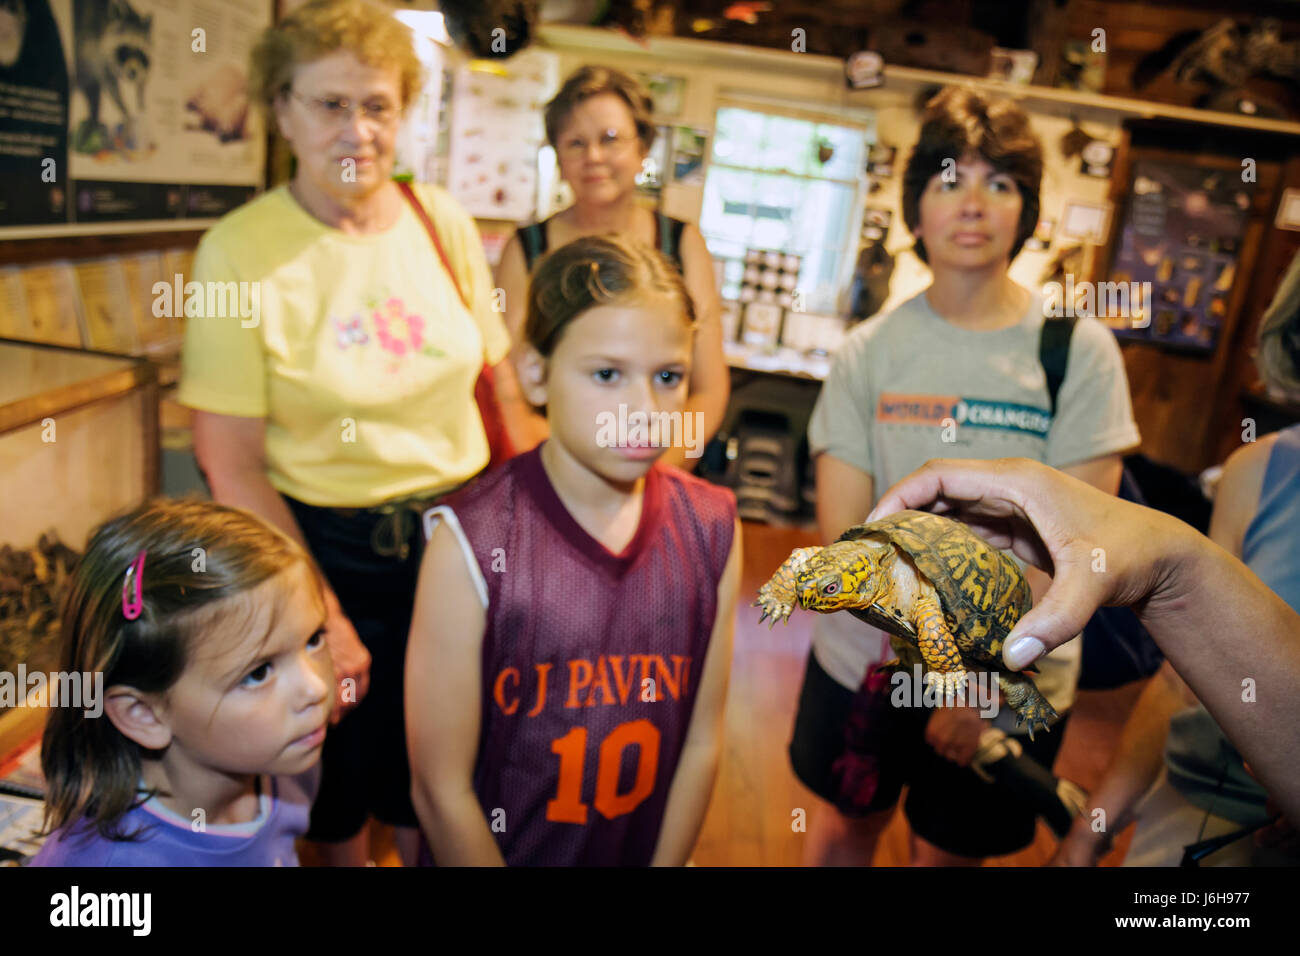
x,y
853,118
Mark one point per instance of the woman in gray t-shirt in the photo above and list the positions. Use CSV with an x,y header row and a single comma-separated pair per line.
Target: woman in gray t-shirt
x,y
952,372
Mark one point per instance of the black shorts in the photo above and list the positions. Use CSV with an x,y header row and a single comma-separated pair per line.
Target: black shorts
x,y
947,805
364,766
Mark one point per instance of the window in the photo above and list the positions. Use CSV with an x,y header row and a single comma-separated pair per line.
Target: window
x,y
779,181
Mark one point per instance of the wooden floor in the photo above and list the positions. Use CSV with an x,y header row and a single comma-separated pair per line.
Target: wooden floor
x,y
749,818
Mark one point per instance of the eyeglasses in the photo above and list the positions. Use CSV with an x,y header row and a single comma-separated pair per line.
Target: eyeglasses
x,y
610,141
337,111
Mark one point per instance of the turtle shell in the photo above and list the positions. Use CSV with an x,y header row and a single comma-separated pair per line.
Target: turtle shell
x,y
983,591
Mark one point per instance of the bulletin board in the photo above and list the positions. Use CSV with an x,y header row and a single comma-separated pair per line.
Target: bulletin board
x,y
1182,232
117,113
495,176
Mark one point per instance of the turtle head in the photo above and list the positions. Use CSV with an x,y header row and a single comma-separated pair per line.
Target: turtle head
x,y
847,574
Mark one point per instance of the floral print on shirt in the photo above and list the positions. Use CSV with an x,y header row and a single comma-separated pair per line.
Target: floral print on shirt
x,y
397,331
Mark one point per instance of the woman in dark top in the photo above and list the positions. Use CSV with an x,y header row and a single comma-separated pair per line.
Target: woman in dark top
x,y
601,128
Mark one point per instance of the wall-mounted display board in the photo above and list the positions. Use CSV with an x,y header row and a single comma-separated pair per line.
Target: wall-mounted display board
x,y
116,113
1182,232
1186,391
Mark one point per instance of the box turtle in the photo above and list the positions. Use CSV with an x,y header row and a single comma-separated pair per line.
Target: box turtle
x,y
947,598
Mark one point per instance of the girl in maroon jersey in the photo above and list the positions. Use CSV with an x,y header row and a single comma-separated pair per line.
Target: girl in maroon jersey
x,y
571,644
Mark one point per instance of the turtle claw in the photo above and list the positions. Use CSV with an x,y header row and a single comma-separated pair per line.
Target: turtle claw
x,y
1034,720
946,683
778,596
773,611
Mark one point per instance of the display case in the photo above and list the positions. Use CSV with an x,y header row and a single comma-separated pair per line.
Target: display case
x,y
78,444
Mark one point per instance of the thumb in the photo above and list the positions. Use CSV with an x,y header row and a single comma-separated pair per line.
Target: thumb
x,y
1058,617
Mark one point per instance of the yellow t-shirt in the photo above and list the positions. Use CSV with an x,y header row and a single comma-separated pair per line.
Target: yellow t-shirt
x,y
360,354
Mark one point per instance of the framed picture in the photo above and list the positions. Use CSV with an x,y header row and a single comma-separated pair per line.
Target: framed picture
x,y
1013,66
1086,221
688,155
864,70
762,324
1288,210
880,160
809,332
667,91
875,223
143,130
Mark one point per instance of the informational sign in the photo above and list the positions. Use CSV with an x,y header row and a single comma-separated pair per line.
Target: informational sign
x,y
120,111
495,176
1181,236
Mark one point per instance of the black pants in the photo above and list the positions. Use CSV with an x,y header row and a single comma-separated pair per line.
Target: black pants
x,y
364,767
947,805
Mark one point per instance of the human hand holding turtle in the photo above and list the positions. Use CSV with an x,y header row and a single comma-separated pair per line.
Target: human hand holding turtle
x,y
1058,524
1221,628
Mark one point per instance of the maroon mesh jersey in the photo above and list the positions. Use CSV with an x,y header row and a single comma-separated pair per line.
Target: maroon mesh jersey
x,y
591,660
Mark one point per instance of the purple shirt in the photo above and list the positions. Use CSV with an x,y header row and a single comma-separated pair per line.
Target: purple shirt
x,y
170,840
591,660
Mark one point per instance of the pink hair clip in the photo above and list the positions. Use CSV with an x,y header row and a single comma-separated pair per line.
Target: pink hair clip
x,y
133,603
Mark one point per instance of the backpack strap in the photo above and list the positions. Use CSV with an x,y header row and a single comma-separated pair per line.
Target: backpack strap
x,y
1054,353
534,239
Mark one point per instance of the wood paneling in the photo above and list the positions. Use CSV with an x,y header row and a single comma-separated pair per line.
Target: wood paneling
x,y
25,251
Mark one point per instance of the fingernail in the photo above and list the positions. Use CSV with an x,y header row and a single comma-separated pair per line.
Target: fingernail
x,y
1022,652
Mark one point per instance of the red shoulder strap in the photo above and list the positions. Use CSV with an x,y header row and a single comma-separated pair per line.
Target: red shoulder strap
x,y
418,208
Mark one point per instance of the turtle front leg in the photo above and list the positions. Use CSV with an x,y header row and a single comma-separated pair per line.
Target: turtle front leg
x,y
938,646
778,597
1024,697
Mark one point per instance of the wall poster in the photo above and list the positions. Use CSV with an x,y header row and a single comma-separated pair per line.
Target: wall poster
x,y
1182,233
492,175
116,111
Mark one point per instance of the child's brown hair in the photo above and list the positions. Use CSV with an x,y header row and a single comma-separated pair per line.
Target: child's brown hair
x,y
590,272
199,557
959,121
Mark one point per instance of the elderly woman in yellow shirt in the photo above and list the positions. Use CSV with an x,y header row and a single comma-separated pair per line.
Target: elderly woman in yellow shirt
x,y
346,404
